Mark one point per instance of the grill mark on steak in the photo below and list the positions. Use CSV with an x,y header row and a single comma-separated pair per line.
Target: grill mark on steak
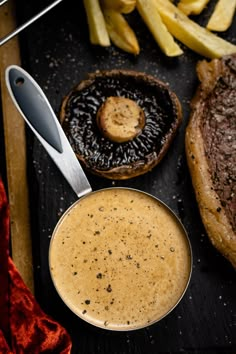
x,y
218,128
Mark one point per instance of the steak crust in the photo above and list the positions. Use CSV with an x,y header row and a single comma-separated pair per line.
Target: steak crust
x,y
210,144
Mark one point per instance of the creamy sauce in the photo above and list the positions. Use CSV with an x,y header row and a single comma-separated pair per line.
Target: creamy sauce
x,y
119,259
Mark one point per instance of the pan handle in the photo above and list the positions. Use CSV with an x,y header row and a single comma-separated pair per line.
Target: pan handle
x,y
40,117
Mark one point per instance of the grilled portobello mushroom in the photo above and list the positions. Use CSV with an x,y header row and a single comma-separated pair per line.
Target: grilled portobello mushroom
x,y
211,151
120,123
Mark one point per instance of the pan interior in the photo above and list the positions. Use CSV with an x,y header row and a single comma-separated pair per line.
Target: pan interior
x,y
120,259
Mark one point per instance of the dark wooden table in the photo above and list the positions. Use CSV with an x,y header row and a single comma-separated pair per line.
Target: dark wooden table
x,y
57,53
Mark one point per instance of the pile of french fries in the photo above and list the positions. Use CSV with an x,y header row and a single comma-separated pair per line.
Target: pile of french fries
x,y
107,22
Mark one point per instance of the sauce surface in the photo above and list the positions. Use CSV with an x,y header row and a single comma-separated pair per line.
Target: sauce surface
x,y
119,259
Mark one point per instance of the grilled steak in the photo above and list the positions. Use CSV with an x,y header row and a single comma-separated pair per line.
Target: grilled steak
x,y
210,143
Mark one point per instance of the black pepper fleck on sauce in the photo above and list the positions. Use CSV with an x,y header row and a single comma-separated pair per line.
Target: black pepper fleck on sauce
x,y
109,288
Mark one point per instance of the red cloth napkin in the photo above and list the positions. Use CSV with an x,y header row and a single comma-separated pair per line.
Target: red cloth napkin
x,y
24,327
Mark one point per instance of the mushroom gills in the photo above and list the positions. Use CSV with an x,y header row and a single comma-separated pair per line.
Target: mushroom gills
x,y
113,146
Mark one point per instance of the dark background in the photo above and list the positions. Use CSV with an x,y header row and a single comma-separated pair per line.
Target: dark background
x,y
56,51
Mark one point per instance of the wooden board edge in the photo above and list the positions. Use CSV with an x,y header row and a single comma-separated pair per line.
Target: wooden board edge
x,y
16,155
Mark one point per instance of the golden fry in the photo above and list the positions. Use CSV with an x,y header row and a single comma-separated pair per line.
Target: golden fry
x,y
222,15
148,11
97,28
122,6
120,32
194,36
192,7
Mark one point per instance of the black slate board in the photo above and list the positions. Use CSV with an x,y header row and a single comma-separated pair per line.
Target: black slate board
x,y
57,53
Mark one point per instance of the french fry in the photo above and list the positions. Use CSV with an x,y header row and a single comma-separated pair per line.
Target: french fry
x,y
97,28
121,34
123,6
192,7
222,15
150,15
197,38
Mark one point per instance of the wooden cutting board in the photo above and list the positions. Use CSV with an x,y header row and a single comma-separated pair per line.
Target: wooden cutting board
x,y
15,151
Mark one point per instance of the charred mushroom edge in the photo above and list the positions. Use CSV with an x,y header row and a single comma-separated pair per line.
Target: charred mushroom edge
x,y
149,161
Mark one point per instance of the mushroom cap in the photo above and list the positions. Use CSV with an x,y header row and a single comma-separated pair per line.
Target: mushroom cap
x,y
120,160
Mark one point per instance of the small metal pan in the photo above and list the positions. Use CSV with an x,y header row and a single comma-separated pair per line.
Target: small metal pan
x,y
119,258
